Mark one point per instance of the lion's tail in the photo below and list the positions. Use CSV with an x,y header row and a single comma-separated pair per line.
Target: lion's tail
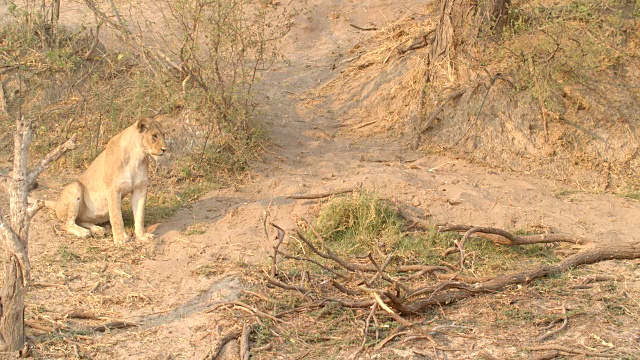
x,y
48,203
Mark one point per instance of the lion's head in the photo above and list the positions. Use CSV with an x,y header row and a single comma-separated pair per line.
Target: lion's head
x,y
152,137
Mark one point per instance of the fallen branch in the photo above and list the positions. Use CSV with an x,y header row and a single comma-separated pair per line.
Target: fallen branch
x,y
565,321
249,308
506,238
114,325
318,196
568,350
373,28
244,342
454,95
215,351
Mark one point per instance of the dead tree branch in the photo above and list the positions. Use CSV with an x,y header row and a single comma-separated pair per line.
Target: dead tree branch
x,y
434,114
319,196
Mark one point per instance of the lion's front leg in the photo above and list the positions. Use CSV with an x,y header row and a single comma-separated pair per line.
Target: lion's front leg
x,y
138,202
115,217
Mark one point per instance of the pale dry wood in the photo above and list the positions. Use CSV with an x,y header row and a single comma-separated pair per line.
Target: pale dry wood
x,y
15,237
568,350
244,342
319,196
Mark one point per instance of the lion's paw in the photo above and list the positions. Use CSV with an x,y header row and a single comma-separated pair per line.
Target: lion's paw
x,y
121,239
146,237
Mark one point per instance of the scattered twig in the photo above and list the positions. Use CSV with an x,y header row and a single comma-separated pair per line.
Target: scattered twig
x,y
386,340
96,41
506,238
278,283
318,196
35,325
80,314
454,95
244,342
372,313
251,309
395,316
114,325
280,236
215,351
565,321
568,350
373,28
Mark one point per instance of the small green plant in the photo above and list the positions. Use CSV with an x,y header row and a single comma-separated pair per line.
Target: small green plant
x,y
632,194
68,255
195,229
357,224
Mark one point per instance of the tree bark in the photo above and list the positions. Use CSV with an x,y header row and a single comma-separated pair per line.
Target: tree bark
x,y
15,238
462,23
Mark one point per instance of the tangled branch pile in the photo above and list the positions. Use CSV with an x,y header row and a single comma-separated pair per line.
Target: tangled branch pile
x,y
399,282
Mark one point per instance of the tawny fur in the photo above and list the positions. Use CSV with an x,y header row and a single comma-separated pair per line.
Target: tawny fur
x,y
121,169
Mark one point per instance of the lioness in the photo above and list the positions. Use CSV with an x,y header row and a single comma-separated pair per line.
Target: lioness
x,y
121,169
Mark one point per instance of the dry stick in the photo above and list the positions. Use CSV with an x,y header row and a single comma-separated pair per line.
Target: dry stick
x,y
565,321
456,94
491,82
372,313
395,316
363,29
251,309
244,342
280,236
343,289
285,286
318,196
569,350
384,276
384,342
215,351
52,156
292,257
514,239
96,41
114,325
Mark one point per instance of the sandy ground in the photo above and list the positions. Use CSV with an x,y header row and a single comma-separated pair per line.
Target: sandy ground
x,y
169,287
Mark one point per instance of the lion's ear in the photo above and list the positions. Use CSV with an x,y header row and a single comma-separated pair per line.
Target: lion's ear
x,y
143,124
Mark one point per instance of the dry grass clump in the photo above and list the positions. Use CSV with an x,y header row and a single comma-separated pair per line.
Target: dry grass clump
x,y
554,94
380,78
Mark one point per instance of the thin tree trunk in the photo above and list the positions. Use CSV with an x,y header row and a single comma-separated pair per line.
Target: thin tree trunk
x,y
15,238
462,23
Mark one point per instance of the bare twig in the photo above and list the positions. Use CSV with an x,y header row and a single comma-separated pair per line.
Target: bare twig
x,y
280,284
251,309
506,238
568,350
454,95
215,351
280,236
565,321
244,342
96,41
114,325
372,313
318,196
52,156
373,28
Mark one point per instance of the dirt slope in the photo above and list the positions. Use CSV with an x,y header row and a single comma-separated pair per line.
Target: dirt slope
x,y
166,287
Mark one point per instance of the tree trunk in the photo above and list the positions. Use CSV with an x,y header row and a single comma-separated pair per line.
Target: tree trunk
x,y
15,239
462,23
12,320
